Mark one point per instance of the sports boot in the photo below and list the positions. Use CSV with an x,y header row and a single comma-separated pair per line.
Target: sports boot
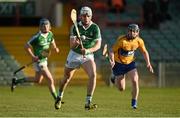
x,y
90,106
57,104
134,103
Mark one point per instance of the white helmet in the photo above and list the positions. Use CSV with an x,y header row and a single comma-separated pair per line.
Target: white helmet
x,y
86,10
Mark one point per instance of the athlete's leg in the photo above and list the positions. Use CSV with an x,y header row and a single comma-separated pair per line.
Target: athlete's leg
x,y
133,74
120,82
119,71
68,73
37,79
90,69
46,73
72,63
38,75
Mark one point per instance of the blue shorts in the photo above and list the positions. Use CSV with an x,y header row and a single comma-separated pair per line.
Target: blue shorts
x,y
121,69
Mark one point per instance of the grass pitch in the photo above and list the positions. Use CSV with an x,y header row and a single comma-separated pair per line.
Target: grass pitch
x,y
36,101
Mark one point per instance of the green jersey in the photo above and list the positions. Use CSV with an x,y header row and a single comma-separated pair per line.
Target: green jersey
x,y
91,34
40,42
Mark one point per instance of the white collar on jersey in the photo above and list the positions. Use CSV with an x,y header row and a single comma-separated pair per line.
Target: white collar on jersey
x,y
44,34
80,23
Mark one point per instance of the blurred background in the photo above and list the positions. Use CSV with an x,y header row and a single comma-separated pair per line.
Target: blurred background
x,y
159,21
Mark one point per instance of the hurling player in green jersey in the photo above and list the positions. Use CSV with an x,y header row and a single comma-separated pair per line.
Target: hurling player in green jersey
x,y
82,55
40,42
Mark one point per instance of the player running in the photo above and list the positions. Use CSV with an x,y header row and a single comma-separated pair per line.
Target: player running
x,y
123,61
35,46
84,57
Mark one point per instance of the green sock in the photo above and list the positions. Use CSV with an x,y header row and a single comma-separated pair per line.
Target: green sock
x,y
54,94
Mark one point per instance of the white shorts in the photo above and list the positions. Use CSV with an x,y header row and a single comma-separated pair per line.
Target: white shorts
x,y
38,66
75,60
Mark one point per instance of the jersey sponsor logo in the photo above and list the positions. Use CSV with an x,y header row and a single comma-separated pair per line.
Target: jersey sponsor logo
x,y
125,52
44,42
88,38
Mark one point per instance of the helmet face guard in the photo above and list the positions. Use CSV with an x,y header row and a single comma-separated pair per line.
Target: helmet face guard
x,y
133,27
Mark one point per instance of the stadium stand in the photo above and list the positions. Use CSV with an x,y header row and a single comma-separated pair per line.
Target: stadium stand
x,y
8,66
132,14
162,44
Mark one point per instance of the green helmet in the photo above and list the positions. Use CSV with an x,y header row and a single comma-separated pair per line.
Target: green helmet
x,y
134,27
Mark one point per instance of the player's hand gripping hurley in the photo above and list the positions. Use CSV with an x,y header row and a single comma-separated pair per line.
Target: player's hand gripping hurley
x,y
44,53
